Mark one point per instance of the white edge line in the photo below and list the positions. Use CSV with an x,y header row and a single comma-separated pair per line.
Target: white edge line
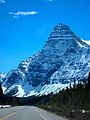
x,y
42,116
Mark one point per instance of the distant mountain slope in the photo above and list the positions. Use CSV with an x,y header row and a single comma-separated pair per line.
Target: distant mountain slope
x,y
64,57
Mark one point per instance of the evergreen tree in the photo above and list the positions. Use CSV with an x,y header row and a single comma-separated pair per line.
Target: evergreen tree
x,y
74,83
1,95
89,81
70,86
1,91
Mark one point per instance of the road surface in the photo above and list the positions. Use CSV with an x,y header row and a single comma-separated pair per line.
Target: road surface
x,y
27,113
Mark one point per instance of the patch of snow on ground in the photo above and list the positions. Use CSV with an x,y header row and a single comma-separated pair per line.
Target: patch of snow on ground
x,y
5,106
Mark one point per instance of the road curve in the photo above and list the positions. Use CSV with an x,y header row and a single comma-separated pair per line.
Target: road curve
x,y
27,113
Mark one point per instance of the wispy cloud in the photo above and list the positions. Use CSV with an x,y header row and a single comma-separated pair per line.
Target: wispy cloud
x,y
2,1
20,13
50,0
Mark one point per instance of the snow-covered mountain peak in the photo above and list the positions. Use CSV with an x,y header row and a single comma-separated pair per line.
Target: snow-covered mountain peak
x,y
61,26
62,38
60,31
64,57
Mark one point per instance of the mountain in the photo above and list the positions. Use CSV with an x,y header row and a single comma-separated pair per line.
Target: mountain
x,y
64,57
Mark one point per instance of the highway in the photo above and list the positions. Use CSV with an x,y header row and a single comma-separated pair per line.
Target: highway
x,y
27,113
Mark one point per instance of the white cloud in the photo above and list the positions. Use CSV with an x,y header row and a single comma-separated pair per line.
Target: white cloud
x,y
20,13
2,1
50,0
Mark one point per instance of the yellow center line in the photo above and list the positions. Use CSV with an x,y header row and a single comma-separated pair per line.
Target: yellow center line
x,y
8,116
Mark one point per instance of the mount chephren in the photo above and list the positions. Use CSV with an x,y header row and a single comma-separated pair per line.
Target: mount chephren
x,y
64,57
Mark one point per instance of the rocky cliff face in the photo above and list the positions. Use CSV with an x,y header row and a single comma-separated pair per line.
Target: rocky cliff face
x,y
64,57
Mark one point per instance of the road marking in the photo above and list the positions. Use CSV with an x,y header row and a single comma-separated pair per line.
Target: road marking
x,y
8,116
42,116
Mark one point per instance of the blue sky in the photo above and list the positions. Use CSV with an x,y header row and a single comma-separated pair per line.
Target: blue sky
x,y
26,24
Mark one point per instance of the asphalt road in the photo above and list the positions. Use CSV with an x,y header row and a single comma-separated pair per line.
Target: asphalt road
x,y
27,113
